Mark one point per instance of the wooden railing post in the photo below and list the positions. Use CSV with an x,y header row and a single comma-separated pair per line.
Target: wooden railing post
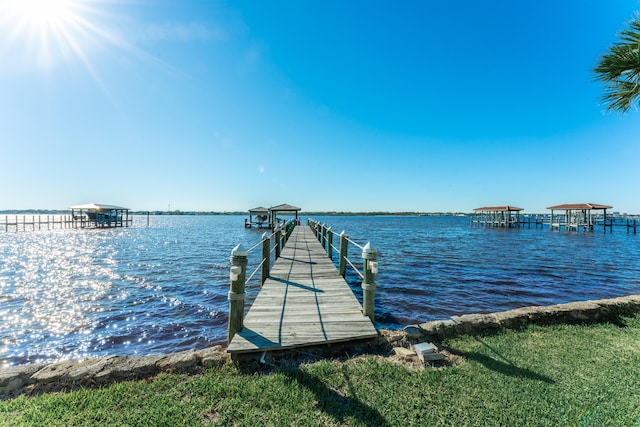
x,y
329,243
324,236
284,239
236,293
344,248
278,242
285,236
370,267
290,227
266,257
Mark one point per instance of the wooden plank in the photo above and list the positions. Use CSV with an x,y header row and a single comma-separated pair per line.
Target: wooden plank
x,y
304,302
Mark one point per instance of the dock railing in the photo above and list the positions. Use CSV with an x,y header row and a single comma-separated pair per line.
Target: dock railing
x,y
238,271
368,268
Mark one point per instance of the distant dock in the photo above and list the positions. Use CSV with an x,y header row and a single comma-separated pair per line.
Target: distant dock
x,y
574,217
82,216
36,222
21,222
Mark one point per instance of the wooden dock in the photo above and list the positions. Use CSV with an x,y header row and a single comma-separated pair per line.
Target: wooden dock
x,y
36,222
24,222
304,302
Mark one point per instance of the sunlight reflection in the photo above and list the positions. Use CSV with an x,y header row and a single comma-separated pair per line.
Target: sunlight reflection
x,y
56,290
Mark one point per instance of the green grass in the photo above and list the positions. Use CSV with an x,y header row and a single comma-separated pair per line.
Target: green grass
x,y
563,375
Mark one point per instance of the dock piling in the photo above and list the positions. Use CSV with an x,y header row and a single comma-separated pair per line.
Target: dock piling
x,y
236,295
344,248
266,257
324,236
278,242
370,267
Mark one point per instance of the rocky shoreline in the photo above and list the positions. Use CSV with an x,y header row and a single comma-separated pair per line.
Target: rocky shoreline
x,y
602,310
96,371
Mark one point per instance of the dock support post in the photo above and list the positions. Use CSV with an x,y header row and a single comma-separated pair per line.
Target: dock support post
x,y
236,293
290,226
329,243
324,237
284,238
266,257
370,267
278,242
344,247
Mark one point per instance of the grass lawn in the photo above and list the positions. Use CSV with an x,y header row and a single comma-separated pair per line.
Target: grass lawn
x,y
562,375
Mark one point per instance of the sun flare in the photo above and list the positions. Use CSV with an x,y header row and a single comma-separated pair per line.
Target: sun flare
x,y
41,13
44,33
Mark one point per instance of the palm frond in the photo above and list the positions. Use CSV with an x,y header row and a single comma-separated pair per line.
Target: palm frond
x,y
619,70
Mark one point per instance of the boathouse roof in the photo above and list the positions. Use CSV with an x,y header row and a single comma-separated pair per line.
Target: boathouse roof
x,y
498,209
284,208
259,210
579,206
98,207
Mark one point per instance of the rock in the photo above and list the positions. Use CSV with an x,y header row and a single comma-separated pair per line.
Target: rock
x,y
412,331
53,372
212,357
179,361
403,352
122,367
438,327
14,378
86,369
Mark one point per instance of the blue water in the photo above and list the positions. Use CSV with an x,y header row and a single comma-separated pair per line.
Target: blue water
x,y
72,294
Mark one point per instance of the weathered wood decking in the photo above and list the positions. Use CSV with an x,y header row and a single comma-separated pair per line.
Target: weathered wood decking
x,y
304,302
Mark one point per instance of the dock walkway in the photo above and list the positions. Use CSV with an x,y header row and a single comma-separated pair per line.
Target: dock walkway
x,y
304,302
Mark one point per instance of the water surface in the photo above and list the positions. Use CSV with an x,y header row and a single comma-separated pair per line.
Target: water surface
x,y
163,288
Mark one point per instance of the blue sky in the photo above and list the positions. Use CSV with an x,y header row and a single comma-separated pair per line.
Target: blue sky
x,y
348,106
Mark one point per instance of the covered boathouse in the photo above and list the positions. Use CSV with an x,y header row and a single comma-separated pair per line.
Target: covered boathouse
x,y
97,215
578,216
285,209
497,216
258,217
262,217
